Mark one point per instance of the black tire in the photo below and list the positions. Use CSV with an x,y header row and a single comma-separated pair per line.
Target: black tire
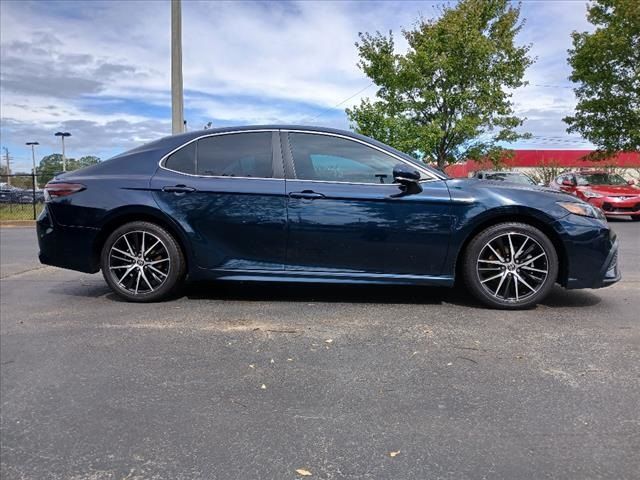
x,y
635,218
163,277
511,269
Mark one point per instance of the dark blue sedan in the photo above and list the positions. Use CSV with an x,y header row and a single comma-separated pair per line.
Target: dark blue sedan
x,y
303,204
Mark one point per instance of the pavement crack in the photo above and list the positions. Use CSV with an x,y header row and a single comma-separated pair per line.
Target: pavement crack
x,y
23,272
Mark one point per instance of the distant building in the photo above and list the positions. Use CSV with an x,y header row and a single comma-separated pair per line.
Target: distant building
x,y
531,160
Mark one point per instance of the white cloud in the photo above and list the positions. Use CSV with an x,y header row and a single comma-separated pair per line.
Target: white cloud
x,y
244,62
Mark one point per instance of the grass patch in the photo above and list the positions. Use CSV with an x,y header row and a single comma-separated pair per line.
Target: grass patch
x,y
15,211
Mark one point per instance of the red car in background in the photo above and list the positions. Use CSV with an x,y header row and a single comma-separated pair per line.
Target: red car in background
x,y
608,191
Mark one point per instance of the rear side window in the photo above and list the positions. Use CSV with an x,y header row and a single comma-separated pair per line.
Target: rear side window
x,y
235,155
184,160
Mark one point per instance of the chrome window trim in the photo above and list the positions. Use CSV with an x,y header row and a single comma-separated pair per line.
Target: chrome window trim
x,y
431,177
207,135
346,137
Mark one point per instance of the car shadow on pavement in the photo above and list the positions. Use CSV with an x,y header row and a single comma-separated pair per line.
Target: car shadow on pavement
x,y
559,297
328,293
310,292
381,294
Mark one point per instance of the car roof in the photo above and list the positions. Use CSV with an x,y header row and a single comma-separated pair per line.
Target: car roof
x,y
306,128
591,172
165,145
172,141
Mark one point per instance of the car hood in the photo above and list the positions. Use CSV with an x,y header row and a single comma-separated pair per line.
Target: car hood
x,y
490,195
612,189
502,185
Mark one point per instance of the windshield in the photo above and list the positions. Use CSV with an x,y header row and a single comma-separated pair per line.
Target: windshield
x,y
600,179
510,177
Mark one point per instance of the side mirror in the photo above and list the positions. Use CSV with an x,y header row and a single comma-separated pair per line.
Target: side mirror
x,y
567,183
408,178
631,182
403,173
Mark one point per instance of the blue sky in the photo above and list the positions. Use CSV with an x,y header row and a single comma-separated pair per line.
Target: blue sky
x,y
101,69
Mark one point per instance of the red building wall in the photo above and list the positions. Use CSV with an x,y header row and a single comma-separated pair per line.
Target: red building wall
x,y
537,158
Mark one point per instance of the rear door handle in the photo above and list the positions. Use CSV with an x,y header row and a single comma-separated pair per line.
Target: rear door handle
x,y
178,189
308,194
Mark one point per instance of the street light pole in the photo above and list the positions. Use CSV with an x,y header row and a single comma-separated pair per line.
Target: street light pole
x,y
33,158
64,158
177,102
6,157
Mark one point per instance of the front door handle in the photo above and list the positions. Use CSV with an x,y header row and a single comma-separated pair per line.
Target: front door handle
x,y
178,189
308,194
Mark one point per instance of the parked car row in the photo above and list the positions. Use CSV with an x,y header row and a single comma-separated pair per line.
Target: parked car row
x,y
11,194
611,193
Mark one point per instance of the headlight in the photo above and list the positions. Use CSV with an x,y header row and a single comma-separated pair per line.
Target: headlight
x,y
583,209
590,194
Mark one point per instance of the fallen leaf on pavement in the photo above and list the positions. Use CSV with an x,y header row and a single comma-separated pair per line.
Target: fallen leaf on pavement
x,y
303,473
329,340
393,454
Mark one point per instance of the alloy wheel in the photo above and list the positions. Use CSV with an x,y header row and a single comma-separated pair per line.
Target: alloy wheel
x,y
139,262
512,267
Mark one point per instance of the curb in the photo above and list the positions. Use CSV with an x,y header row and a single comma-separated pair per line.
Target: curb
x,y
17,223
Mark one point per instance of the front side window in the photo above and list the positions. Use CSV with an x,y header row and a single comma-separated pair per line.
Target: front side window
x,y
235,155
565,178
334,159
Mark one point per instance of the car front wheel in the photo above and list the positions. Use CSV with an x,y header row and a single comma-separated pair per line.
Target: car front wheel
x,y
142,262
510,266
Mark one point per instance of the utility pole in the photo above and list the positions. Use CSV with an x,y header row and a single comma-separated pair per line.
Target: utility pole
x,y
33,158
64,157
177,105
6,157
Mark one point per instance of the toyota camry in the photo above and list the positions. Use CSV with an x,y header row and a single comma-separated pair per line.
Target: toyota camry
x,y
304,204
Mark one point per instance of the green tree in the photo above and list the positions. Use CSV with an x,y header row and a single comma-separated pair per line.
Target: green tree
x,y
606,67
86,161
447,98
51,165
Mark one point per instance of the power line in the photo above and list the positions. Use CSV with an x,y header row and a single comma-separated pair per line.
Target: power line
x,y
546,85
337,105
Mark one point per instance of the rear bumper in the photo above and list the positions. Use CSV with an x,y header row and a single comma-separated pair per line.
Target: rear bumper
x,y
66,247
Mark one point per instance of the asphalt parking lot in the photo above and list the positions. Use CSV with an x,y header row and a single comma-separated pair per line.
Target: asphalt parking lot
x,y
257,381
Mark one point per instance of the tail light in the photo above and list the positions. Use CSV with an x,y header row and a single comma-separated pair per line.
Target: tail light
x,y
57,190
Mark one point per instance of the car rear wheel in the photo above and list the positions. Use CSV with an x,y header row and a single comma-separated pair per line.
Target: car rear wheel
x,y
510,266
142,262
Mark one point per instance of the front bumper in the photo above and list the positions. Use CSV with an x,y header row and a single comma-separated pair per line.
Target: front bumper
x,y
590,250
610,271
614,207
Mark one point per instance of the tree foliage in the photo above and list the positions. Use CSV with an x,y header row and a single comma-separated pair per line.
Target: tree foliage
x,y
447,98
606,67
51,165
